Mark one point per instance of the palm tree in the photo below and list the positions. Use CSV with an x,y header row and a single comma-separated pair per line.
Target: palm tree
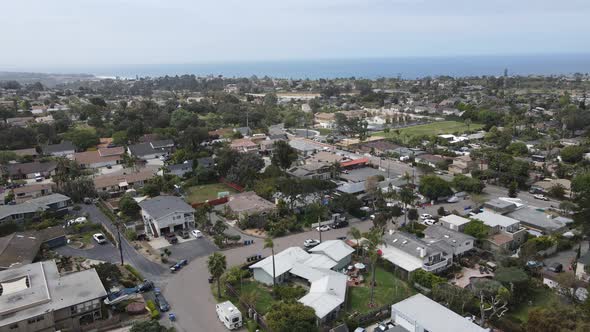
x,y
374,240
217,266
406,196
356,234
268,243
335,169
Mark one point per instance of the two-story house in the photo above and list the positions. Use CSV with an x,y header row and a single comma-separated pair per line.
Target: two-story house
x,y
25,193
409,253
166,214
505,233
456,242
462,165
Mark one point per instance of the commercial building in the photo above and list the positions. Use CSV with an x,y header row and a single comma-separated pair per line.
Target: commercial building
x,y
36,297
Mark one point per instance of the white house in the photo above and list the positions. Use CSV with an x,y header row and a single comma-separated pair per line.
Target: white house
x,y
336,250
421,314
164,214
456,242
454,222
284,262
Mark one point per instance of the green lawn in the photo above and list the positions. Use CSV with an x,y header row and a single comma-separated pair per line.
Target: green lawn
x,y
198,194
435,128
389,289
262,294
324,131
542,297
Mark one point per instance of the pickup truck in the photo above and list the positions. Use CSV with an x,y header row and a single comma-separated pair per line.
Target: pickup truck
x,y
171,237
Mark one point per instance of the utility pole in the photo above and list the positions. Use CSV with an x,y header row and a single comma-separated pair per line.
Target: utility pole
x,y
120,244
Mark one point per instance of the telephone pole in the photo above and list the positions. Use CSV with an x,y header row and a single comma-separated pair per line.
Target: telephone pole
x,y
120,244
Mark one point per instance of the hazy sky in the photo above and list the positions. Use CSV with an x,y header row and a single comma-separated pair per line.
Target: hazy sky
x,y
63,33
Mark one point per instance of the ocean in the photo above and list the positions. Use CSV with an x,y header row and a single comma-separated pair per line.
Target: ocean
x,y
407,67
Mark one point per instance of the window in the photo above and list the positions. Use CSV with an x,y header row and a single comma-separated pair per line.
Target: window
x,y
35,319
13,326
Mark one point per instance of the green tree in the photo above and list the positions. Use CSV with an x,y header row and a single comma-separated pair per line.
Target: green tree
x,y
108,273
477,229
513,189
216,264
82,138
151,190
149,326
572,154
291,317
128,206
374,240
517,149
357,235
283,155
557,191
434,187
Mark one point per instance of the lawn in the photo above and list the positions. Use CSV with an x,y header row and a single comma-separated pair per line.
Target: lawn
x,y
262,294
199,194
542,297
435,128
389,289
324,131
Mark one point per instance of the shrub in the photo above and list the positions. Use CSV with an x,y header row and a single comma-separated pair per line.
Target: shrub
x,y
127,283
134,272
426,279
286,293
131,235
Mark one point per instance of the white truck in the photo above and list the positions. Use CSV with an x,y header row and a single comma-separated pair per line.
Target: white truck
x,y
229,315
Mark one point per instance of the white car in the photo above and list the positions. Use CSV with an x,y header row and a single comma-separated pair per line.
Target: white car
x,y
541,197
429,222
310,243
323,228
99,238
197,233
453,199
425,216
79,220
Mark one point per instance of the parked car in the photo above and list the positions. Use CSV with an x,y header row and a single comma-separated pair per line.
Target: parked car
x,y
453,199
161,301
145,286
534,264
39,177
555,267
340,224
99,238
184,234
171,237
323,228
197,233
310,243
541,197
429,222
425,216
178,265
79,220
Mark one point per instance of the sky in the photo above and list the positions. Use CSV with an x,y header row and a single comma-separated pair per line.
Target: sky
x,y
61,33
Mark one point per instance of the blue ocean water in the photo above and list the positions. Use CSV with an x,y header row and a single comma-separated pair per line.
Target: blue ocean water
x,y
408,67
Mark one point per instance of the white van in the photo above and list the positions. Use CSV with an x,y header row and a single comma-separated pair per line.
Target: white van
x,y
229,315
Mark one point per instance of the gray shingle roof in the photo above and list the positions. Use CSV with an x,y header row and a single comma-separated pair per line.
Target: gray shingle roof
x,y
162,206
61,147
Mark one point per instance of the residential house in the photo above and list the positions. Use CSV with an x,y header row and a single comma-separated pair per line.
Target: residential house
x,y
499,206
320,171
20,121
26,152
325,120
583,267
64,149
505,233
165,214
429,159
538,222
454,222
418,313
244,131
21,248
31,170
104,157
462,165
306,147
36,297
409,253
117,183
248,204
327,288
378,147
180,169
151,149
28,192
244,145
456,242
206,162
337,250
57,204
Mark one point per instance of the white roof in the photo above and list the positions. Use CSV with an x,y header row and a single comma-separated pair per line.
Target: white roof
x,y
326,293
454,219
320,261
432,316
284,261
494,219
335,249
401,258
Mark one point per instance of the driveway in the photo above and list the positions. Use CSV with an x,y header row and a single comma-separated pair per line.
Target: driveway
x,y
189,292
106,252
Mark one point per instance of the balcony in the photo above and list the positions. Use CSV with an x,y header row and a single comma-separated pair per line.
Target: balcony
x,y
435,266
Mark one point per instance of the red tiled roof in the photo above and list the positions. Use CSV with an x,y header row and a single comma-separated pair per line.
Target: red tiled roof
x,y
354,162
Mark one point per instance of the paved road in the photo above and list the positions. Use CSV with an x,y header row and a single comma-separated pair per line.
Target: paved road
x,y
189,292
106,252
148,269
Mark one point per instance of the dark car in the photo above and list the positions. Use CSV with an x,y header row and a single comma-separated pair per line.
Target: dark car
x,y
161,301
171,237
178,265
145,286
340,224
555,267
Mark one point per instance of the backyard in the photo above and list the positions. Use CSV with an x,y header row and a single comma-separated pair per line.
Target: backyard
x,y
389,290
541,297
201,193
435,128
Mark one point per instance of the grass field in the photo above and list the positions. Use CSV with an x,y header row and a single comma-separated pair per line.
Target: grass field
x,y
542,297
389,289
435,128
198,194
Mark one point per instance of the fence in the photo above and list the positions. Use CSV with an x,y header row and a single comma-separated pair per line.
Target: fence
x,y
212,202
231,184
375,315
259,320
